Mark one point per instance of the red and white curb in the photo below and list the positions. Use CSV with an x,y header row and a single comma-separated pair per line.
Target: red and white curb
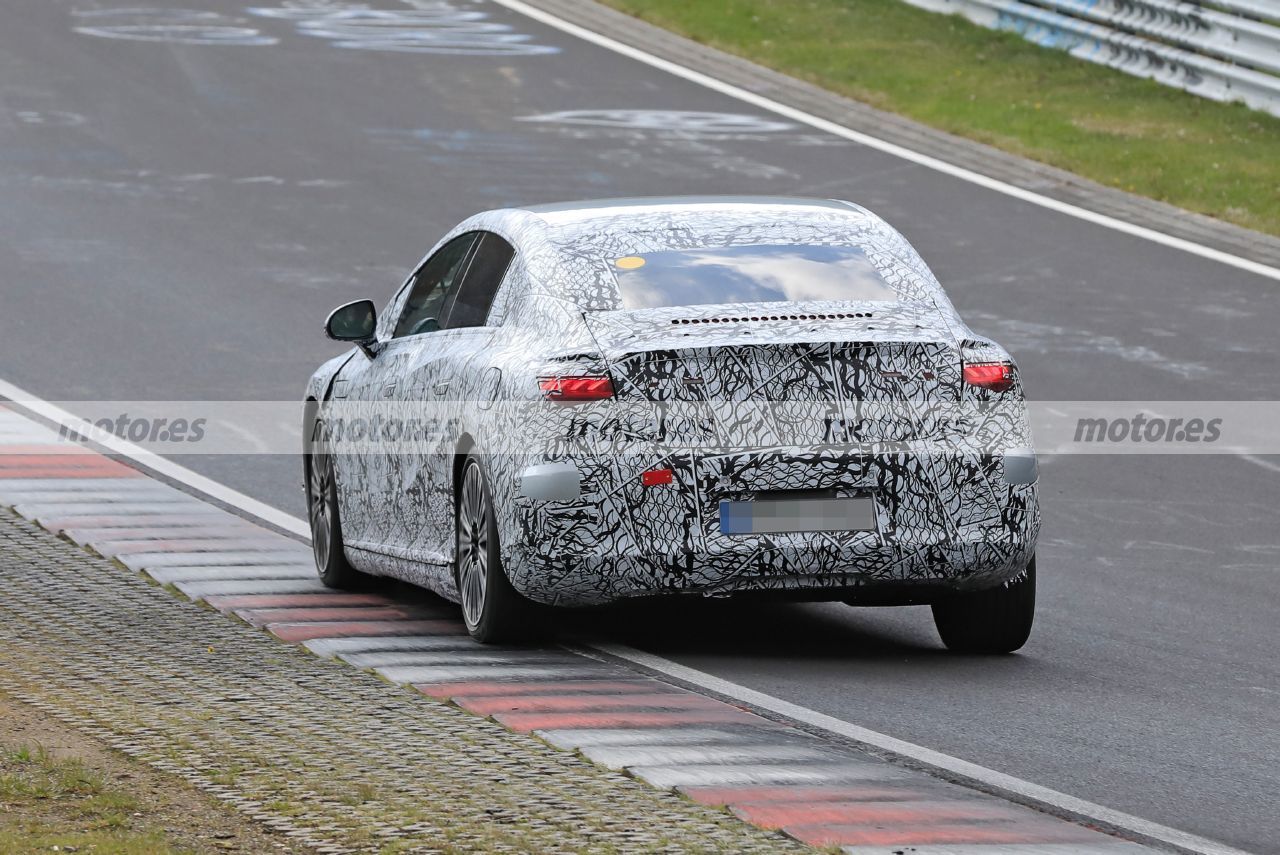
x,y
768,773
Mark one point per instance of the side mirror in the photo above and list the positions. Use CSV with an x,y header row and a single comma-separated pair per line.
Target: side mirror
x,y
355,322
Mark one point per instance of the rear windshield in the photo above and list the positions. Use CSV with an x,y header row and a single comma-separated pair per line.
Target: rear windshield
x,y
748,274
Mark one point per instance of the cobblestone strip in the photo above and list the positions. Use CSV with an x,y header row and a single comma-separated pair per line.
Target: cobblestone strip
x,y
325,753
319,761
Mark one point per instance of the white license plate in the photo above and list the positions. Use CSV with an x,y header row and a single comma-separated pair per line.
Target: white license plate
x,y
781,516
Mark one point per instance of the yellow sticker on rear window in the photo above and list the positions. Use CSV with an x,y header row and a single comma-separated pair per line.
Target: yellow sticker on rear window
x,y
629,262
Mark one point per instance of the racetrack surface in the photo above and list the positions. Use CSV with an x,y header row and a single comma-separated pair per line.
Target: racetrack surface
x,y
178,218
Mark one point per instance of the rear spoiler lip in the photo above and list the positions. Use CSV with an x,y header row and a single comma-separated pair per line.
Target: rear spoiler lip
x,y
616,338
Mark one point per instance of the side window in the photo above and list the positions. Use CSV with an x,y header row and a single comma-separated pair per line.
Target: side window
x,y
489,263
432,286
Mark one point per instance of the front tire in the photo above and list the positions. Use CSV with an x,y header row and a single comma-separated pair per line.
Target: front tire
x,y
993,621
326,527
492,610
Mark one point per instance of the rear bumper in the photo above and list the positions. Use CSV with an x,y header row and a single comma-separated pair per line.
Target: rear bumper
x,y
589,532
858,567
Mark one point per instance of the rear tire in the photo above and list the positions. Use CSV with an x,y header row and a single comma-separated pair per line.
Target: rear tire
x,y
326,527
493,611
993,621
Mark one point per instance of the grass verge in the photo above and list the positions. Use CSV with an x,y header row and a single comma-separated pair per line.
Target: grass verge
x,y
1218,159
61,791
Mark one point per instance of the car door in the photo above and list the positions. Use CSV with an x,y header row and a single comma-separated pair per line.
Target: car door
x,y
375,460
448,377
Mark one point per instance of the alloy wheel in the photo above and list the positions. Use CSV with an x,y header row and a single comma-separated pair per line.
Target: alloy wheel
x,y
473,546
319,497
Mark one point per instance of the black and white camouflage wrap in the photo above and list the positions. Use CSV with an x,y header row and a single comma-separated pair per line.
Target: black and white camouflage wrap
x,y
859,398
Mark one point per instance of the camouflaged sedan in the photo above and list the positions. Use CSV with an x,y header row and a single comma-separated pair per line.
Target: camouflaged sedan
x,y
574,404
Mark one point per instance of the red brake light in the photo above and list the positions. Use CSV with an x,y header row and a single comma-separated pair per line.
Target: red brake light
x,y
996,376
576,388
656,477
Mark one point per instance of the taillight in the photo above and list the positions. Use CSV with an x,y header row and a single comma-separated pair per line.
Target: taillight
x,y
576,388
996,376
656,477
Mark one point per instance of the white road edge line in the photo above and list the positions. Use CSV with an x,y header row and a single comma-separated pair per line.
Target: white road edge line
x,y
927,756
157,463
1258,461
869,141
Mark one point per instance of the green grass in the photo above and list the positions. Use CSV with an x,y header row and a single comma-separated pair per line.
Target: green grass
x,y
1217,159
47,802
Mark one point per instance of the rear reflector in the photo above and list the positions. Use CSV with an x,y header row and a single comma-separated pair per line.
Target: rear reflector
x,y
996,376
576,388
655,477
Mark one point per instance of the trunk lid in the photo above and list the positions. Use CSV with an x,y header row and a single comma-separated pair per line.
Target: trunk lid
x,y
773,375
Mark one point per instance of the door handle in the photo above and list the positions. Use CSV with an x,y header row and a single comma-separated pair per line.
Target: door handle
x,y
389,389
441,387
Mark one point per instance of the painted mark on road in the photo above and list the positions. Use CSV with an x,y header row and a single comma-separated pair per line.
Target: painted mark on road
x,y
150,184
1035,337
431,26
681,145
682,121
49,118
174,26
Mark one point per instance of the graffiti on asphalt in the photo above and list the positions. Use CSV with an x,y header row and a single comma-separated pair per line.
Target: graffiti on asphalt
x,y
430,26
426,26
175,26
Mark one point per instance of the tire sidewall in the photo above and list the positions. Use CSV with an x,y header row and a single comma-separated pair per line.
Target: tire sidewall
x,y
335,571
500,613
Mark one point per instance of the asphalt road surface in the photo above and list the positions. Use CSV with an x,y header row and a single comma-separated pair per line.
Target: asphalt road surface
x,y
184,197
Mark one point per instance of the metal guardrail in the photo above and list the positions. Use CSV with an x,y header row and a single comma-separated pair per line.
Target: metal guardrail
x,y
1228,53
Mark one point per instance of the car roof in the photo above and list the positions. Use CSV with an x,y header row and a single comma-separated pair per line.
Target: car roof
x,y
564,213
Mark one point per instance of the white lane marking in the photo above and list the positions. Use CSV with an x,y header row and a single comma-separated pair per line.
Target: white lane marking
x,y
158,464
988,777
869,141
1258,461
936,759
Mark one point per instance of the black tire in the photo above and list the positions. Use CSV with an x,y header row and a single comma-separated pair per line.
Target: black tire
x,y
493,611
326,527
993,621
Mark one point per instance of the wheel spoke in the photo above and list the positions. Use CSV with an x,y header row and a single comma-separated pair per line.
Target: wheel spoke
x,y
473,557
320,511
